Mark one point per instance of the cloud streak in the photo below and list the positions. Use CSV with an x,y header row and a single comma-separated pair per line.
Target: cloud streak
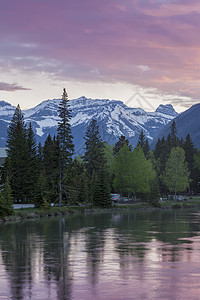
x,y
147,43
11,87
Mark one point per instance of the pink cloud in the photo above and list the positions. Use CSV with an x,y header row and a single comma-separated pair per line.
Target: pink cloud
x,y
105,40
11,87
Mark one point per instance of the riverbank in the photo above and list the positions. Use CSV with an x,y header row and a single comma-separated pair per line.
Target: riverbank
x,y
35,213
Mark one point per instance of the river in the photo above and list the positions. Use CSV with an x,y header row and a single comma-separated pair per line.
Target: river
x,y
109,256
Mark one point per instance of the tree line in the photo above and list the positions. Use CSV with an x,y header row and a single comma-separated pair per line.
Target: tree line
x,y
49,173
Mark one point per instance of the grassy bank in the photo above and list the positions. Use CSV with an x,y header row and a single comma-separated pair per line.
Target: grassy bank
x,y
32,213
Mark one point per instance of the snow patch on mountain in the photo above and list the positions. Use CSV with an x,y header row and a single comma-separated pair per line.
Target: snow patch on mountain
x,y
113,116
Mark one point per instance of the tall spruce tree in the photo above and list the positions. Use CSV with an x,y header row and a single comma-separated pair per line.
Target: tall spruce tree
x,y
141,140
42,192
33,167
94,149
146,148
6,199
102,197
190,152
17,156
144,144
65,139
94,156
120,143
173,133
50,165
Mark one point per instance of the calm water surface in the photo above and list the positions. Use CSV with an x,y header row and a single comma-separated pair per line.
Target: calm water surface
x,y
130,255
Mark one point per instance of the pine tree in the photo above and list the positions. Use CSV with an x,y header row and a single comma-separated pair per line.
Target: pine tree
x,y
77,182
169,143
153,196
161,155
42,197
6,199
102,197
32,163
94,157
64,130
39,157
146,148
173,133
122,140
17,156
94,149
190,152
82,183
65,139
141,140
50,165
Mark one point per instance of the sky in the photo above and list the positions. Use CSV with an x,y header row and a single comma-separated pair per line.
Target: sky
x,y
143,52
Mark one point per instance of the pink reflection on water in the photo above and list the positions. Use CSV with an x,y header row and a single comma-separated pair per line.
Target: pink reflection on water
x,y
98,265
164,273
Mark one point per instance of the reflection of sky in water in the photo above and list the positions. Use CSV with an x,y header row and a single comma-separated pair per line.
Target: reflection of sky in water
x,y
135,256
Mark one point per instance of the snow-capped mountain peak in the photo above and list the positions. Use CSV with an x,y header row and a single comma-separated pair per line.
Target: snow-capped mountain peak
x,y
113,116
167,110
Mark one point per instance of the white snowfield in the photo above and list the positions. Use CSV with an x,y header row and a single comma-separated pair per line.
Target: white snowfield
x,y
114,117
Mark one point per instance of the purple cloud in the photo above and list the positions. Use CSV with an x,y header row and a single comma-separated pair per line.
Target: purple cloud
x,y
105,40
11,87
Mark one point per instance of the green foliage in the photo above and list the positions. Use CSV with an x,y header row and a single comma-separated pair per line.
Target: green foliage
x,y
153,197
32,163
176,175
122,171
197,160
95,161
173,134
121,142
109,156
42,197
6,199
190,152
141,140
146,149
50,165
102,197
142,172
17,161
94,149
65,138
133,172
64,131
76,187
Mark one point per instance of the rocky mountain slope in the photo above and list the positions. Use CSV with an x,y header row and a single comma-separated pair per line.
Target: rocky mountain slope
x,y
186,122
114,119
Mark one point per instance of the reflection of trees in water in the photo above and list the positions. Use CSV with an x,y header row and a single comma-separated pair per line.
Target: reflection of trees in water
x,y
132,232
135,230
56,257
16,247
95,242
44,248
36,247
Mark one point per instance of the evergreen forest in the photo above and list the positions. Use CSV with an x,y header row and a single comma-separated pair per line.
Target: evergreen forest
x,y
51,173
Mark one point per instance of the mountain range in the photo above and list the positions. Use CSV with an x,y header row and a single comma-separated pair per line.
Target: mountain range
x,y
186,122
113,117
